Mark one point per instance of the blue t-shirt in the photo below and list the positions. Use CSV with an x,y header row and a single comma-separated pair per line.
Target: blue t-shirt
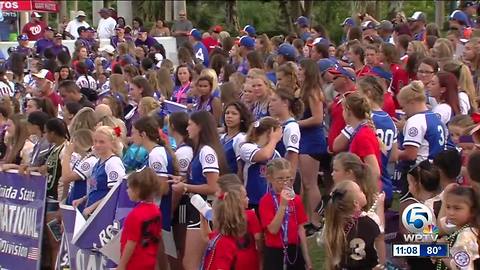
x,y
104,176
200,52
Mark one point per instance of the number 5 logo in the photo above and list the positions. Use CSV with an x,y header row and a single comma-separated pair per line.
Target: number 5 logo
x,y
416,217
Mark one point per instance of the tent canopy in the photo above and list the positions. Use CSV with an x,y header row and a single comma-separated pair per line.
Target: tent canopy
x,y
30,5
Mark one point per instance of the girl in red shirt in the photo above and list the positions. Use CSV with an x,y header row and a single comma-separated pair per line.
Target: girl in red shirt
x,y
250,246
141,239
230,224
282,216
363,140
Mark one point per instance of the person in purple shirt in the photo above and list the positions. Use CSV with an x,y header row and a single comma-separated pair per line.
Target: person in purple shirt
x,y
417,25
91,38
144,39
23,46
57,45
120,36
45,42
82,39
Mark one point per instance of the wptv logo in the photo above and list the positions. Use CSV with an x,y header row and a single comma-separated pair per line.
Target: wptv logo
x,y
418,219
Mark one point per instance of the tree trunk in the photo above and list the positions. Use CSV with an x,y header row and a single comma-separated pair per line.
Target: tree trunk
x,y
232,15
283,5
439,13
308,7
296,9
394,6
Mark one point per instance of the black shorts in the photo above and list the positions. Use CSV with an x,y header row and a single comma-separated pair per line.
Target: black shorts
x,y
187,214
273,258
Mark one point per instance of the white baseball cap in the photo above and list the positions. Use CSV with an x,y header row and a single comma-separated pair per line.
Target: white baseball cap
x,y
81,13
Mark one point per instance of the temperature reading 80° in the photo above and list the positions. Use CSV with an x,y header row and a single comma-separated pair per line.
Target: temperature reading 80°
x,y
434,250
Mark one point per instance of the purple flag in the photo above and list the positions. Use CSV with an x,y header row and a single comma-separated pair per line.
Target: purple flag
x,y
22,209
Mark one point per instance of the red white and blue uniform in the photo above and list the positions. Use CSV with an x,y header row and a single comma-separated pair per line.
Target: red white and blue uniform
x,y
231,147
104,176
426,132
184,154
161,162
205,161
291,138
83,168
254,173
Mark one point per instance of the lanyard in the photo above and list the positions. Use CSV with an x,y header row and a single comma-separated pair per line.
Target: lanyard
x,y
210,248
181,92
356,130
286,260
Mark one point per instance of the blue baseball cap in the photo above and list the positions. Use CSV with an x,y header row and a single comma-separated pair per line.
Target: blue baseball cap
x,y
22,37
250,30
381,73
302,21
339,70
321,40
195,33
348,21
325,64
287,50
459,16
368,25
247,42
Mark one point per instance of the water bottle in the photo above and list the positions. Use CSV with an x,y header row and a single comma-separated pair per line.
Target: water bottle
x,y
202,206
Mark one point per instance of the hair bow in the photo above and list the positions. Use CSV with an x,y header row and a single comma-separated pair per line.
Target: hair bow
x,y
118,131
476,117
222,196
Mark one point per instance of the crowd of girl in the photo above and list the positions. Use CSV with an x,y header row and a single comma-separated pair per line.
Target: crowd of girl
x,y
285,138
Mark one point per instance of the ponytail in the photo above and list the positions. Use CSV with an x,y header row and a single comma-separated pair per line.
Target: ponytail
x,y
295,103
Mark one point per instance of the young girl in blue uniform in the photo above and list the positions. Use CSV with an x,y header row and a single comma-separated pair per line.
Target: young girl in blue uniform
x,y
107,171
262,91
424,135
237,119
77,164
207,165
258,149
286,107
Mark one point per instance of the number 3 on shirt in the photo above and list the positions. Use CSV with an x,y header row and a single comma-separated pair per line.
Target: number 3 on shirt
x,y
358,249
199,54
441,141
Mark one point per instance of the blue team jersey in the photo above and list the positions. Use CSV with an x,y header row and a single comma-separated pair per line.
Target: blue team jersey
x,y
387,133
104,176
312,140
230,146
204,161
426,132
83,168
201,53
161,162
290,139
254,173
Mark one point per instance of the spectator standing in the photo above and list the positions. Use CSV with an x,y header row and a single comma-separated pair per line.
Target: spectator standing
x,y
45,42
58,46
417,25
199,50
143,39
213,40
159,30
35,28
23,46
137,25
181,28
74,24
44,81
106,25
120,36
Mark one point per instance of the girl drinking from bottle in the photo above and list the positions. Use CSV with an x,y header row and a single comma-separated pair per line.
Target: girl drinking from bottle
x,y
207,164
258,149
352,238
141,238
282,216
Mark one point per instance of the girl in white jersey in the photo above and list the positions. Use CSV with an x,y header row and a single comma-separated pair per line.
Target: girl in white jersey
x,y
444,89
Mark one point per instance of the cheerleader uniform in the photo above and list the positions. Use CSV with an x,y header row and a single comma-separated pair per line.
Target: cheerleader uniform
x,y
184,154
131,117
254,173
312,139
231,147
180,94
206,105
291,138
104,176
464,250
83,168
205,161
260,110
